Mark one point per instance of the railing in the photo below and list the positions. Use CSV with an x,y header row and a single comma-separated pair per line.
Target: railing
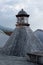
x,y
38,59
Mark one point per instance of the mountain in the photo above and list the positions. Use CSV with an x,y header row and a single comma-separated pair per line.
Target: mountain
x,y
3,38
6,30
39,34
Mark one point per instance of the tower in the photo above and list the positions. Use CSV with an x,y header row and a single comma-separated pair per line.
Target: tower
x,y
22,40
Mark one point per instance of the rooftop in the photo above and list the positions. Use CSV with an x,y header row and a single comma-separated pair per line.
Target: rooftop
x,y
13,60
22,13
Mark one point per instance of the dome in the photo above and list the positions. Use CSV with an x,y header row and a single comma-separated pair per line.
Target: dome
x,y
22,13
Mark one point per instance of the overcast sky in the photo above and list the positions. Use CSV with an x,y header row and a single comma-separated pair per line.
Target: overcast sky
x,y
9,8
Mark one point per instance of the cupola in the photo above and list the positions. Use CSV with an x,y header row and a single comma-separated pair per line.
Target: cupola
x,y
22,18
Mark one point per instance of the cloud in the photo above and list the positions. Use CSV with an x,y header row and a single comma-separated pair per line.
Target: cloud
x,y
9,8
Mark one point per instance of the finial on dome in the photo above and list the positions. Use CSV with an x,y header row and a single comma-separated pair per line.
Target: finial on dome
x,y
22,9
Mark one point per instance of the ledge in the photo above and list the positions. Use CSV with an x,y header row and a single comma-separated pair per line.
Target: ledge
x,y
24,24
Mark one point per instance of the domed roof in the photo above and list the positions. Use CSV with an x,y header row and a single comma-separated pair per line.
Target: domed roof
x,y
22,13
